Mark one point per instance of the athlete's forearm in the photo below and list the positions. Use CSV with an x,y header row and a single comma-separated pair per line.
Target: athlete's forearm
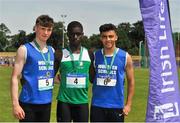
x,y
130,93
14,91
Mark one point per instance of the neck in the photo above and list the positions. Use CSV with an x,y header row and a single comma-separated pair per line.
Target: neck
x,y
109,51
42,44
75,49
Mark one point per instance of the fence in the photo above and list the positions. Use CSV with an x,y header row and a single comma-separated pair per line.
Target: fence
x,y
7,58
138,61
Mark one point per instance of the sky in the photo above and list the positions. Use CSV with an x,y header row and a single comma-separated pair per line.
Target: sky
x,y
21,14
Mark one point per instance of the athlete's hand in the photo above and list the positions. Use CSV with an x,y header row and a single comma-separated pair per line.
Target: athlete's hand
x,y
126,110
18,112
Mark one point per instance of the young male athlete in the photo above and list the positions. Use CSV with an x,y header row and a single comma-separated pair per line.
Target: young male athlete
x,y
34,61
73,63
110,66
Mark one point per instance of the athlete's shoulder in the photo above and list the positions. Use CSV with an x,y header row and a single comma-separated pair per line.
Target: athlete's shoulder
x,y
98,51
22,49
121,50
58,54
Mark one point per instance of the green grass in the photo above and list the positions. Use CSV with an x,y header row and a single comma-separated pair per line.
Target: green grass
x,y
5,103
137,113
138,109
5,99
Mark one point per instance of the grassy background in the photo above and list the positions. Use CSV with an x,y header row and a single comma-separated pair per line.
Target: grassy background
x,y
136,115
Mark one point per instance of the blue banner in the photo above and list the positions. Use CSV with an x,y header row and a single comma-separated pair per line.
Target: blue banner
x,y
164,94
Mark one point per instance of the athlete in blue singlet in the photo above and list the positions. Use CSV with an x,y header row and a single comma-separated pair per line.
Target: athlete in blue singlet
x,y
34,62
110,66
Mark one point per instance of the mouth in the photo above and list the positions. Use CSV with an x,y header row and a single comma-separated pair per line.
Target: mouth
x,y
45,36
108,43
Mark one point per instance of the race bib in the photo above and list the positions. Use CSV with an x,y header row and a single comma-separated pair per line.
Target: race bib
x,y
106,81
45,84
76,80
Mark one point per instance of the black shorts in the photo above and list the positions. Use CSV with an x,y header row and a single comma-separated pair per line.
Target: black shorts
x,y
99,114
36,112
72,112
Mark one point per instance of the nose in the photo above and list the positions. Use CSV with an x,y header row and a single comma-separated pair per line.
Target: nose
x,y
75,35
46,31
108,38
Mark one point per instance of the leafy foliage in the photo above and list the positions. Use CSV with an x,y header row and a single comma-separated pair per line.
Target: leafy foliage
x,y
129,35
4,39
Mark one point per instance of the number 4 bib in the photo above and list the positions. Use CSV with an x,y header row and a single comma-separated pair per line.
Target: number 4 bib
x,y
76,80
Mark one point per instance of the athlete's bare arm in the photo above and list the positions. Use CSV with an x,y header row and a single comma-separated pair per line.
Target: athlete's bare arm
x,y
18,66
130,85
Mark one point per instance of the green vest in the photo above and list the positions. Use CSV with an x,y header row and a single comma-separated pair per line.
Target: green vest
x,y
74,81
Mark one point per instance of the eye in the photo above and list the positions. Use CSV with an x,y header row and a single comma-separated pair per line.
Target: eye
x,y
43,28
77,34
49,29
111,36
103,36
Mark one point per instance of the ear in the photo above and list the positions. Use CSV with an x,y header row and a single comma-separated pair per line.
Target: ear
x,y
82,33
100,38
68,34
35,28
116,37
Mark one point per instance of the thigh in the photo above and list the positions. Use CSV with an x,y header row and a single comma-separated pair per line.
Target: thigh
x,y
44,112
80,113
63,113
115,115
29,112
97,114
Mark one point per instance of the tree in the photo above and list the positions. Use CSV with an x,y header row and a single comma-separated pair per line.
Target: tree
x,y
123,41
95,42
129,37
22,38
4,38
85,42
136,35
137,32
56,37
4,29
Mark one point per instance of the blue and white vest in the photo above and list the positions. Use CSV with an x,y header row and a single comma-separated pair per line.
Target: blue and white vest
x,y
109,95
38,81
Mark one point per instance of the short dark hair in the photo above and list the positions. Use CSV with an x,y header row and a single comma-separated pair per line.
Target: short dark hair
x,y
107,27
45,20
74,24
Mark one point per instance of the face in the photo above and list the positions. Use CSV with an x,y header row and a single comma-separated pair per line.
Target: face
x,y
43,33
75,36
109,39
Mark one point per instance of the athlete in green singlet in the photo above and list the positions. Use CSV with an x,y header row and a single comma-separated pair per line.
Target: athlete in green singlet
x,y
73,63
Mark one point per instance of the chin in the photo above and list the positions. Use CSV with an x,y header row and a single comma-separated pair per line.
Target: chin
x,y
44,39
76,44
109,47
